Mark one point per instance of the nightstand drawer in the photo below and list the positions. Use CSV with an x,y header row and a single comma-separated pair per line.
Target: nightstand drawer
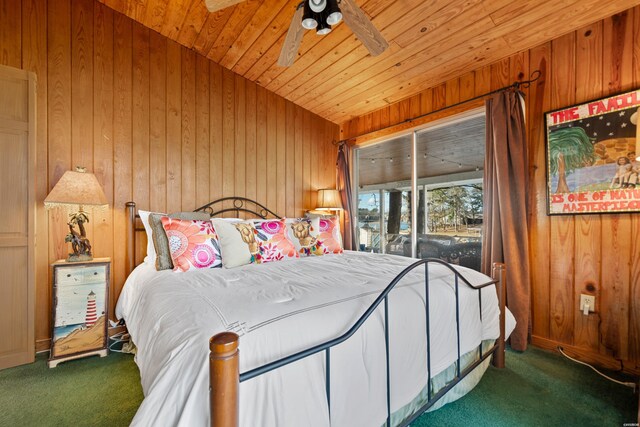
x,y
81,275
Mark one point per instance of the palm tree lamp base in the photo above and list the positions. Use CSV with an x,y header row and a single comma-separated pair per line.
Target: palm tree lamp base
x,y
79,243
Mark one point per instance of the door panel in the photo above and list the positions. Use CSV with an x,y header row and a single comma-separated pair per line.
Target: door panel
x,y
17,202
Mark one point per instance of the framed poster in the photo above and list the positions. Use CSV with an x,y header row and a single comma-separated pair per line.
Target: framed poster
x,y
593,156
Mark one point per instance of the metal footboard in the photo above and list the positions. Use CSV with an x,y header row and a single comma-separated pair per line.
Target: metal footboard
x,y
224,356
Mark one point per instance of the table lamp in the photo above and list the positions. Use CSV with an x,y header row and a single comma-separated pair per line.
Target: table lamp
x,y
77,188
328,200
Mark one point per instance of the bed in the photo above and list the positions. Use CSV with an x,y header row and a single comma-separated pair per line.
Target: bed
x,y
342,340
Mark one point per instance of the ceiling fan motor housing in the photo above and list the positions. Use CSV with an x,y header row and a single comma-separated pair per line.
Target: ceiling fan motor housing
x,y
321,15
317,5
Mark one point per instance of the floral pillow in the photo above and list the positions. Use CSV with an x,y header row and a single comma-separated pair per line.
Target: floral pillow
x,y
329,237
273,241
193,244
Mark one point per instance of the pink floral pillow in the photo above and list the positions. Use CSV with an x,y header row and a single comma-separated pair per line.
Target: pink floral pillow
x,y
329,237
192,244
272,237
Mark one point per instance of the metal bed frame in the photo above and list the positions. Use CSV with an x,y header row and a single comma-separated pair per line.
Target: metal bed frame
x,y
225,376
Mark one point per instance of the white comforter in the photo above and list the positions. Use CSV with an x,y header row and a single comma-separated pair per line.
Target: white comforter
x,y
283,307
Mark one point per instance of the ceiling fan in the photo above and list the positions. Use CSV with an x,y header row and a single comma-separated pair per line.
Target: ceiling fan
x,y
321,15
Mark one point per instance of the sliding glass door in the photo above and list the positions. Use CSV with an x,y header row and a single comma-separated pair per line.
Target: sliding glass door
x,y
384,197
447,179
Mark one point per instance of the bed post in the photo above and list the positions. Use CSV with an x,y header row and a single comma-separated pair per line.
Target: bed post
x,y
224,377
131,235
499,273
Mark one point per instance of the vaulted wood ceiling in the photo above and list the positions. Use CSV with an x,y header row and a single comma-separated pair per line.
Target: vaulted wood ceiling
x,y
334,76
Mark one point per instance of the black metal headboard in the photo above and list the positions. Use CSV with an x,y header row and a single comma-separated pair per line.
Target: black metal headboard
x,y
240,204
215,208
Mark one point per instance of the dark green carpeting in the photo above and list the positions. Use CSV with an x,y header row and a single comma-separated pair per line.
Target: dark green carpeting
x,y
537,388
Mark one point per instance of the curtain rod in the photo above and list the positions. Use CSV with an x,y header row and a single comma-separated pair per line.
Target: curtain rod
x,y
535,75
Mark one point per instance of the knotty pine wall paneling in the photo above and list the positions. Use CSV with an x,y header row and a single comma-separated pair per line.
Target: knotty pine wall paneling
x,y
570,255
157,124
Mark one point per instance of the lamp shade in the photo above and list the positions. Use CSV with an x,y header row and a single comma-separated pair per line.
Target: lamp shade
x,y
309,20
334,15
77,188
323,28
329,199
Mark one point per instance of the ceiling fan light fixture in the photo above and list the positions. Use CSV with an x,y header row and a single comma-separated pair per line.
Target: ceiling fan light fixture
x,y
323,27
334,14
317,5
309,20
334,18
323,30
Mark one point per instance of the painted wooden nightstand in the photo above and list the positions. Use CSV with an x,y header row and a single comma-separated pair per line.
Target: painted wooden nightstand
x,y
80,310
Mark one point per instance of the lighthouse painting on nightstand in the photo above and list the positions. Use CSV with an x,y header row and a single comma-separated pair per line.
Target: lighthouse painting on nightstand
x,y
80,310
79,322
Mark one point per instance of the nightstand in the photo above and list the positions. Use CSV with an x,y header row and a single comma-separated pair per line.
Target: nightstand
x,y
80,310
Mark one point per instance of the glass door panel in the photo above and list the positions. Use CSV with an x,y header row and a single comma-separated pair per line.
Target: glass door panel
x,y
450,167
384,197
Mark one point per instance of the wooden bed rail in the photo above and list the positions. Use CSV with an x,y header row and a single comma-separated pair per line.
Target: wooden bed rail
x,y
224,361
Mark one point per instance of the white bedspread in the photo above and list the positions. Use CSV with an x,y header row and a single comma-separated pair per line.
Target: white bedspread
x,y
283,307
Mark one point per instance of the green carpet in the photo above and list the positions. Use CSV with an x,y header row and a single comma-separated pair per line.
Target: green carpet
x,y
537,388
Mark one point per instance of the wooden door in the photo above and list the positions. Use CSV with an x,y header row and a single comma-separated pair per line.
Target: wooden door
x,y
17,204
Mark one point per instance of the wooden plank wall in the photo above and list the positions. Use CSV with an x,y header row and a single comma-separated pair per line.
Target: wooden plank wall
x,y
570,255
157,124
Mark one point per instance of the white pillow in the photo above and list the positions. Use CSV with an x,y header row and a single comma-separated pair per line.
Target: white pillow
x,y
150,258
234,251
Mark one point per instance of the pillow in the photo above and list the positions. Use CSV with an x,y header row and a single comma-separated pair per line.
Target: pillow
x,y
193,244
329,237
303,232
163,259
273,241
150,257
238,245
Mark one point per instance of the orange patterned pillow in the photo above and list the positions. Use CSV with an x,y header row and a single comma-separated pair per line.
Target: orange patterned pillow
x,y
193,244
329,237
274,241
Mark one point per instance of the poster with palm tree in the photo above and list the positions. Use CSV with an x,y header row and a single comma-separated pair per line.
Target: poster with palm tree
x,y
593,156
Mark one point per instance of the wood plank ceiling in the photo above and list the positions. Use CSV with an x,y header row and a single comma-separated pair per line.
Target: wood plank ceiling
x,y
334,76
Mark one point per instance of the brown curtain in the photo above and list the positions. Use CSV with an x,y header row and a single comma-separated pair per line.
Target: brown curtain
x,y
344,186
506,237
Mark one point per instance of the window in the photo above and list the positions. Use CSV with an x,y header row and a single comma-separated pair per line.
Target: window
x,y
448,183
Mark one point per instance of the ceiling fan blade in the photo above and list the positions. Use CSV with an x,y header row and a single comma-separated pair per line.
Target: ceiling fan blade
x,y
362,27
215,5
292,41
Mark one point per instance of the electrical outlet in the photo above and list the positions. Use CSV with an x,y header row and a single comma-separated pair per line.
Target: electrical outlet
x,y
590,300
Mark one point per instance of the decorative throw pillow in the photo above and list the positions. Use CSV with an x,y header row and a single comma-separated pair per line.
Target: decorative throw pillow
x,y
238,244
150,257
273,240
163,259
193,244
303,232
329,237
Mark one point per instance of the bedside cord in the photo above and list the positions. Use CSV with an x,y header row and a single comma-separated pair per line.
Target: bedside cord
x,y
626,384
